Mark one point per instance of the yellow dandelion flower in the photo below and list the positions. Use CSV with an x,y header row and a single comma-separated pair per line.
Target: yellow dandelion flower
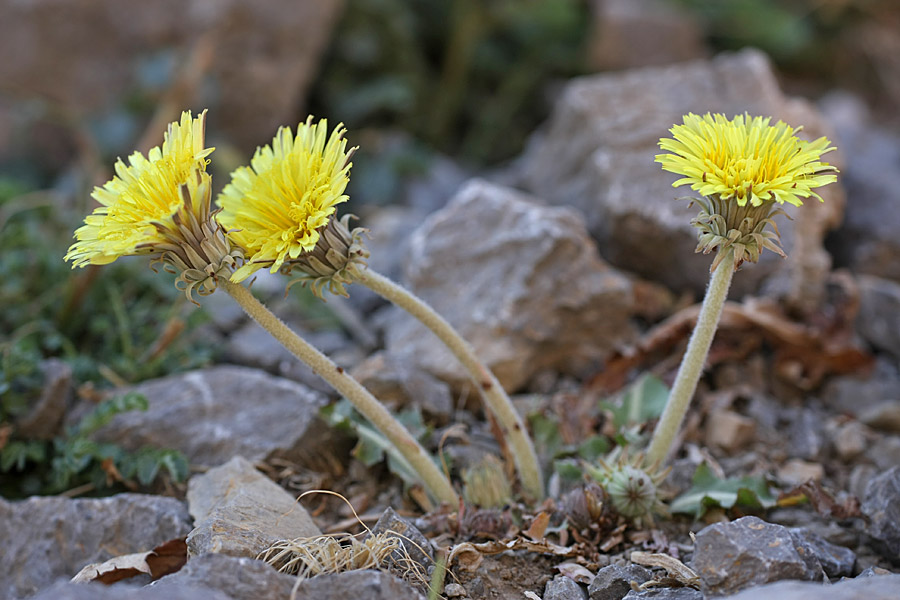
x,y
143,193
744,170
276,208
745,159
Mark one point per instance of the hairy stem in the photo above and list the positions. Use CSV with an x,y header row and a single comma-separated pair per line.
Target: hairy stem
x,y
435,481
693,361
495,397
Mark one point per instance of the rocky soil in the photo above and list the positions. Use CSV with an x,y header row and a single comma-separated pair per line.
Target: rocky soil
x,y
571,272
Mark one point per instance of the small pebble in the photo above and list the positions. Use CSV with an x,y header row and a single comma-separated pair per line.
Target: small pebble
x,y
454,590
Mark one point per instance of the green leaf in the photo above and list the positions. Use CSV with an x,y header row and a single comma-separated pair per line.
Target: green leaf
x,y
708,491
593,448
104,412
643,400
372,447
568,469
147,467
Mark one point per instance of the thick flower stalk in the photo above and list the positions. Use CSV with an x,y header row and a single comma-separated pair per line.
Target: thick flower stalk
x,y
744,169
280,210
159,206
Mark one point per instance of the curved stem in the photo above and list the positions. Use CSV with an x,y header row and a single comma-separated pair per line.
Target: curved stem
x,y
694,358
436,482
493,393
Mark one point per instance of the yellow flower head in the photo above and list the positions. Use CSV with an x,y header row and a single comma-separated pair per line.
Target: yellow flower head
x,y
143,195
276,208
745,159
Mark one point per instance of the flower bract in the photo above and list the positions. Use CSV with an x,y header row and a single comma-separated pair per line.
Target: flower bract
x,y
142,196
276,208
745,159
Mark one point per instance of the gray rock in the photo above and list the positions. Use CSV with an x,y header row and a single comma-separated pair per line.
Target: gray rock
x,y
240,512
416,544
882,506
868,241
45,418
214,414
237,578
614,582
684,593
45,538
850,440
521,282
253,346
397,385
733,556
885,452
639,33
884,416
564,588
454,590
59,57
123,591
836,561
357,585
596,154
859,394
878,320
884,587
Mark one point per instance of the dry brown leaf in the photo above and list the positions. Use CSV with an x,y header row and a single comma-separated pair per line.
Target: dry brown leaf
x,y
166,558
821,501
676,569
576,572
538,526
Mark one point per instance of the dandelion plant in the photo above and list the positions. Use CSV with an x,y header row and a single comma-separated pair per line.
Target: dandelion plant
x,y
744,169
160,206
280,209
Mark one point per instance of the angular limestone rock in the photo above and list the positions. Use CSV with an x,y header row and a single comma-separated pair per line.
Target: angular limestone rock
x,y
520,281
240,512
47,538
214,414
596,154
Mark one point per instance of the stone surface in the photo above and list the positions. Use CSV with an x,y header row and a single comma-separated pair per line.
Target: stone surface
x,y
868,241
45,538
454,590
416,544
123,591
729,430
882,506
521,282
639,33
240,512
733,556
253,346
884,416
237,578
214,414
564,588
665,594
398,385
596,153
850,440
885,452
836,561
357,585
878,321
855,395
879,587
614,582
251,63
795,471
